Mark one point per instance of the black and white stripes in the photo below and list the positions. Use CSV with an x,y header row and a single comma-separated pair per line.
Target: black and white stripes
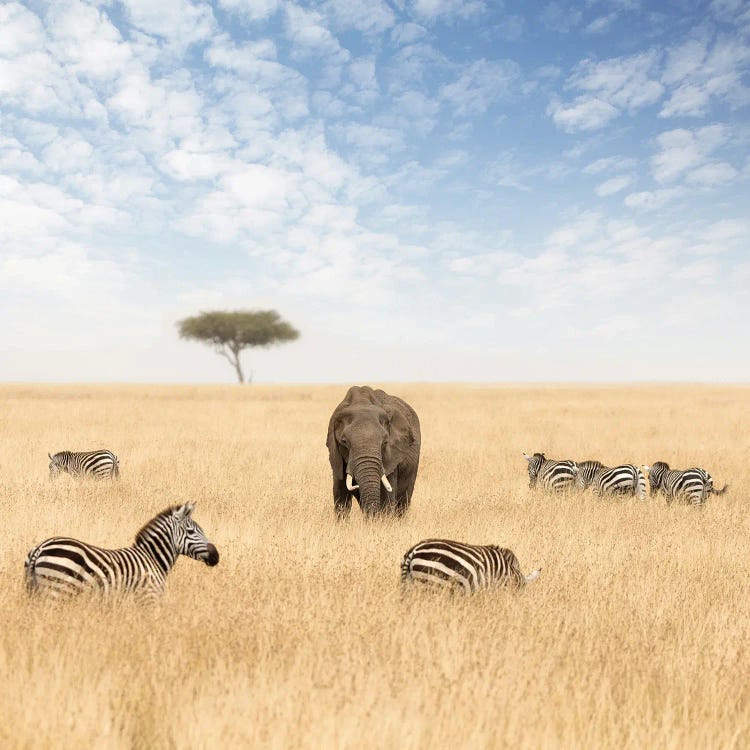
x,y
692,486
551,476
61,566
626,479
98,464
466,568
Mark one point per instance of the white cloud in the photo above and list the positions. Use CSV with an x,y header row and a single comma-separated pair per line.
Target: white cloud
x,y
681,150
609,164
613,185
712,174
653,199
613,86
560,18
446,10
480,85
701,73
178,22
253,10
584,113
367,16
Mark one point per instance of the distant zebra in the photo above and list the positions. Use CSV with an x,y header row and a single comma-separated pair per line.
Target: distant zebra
x,y
98,464
692,486
620,480
62,567
586,473
465,568
553,476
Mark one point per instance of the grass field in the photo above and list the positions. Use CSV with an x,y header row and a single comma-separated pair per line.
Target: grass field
x,y
637,633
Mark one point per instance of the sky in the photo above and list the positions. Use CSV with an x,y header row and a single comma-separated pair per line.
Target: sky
x,y
428,190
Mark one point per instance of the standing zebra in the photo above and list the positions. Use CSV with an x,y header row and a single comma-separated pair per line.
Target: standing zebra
x,y
466,568
98,464
692,486
550,475
626,479
60,566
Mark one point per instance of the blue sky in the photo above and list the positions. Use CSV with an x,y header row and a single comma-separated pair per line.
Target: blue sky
x,y
427,189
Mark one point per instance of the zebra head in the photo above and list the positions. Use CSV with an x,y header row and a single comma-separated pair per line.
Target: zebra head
x,y
189,538
656,473
535,464
54,465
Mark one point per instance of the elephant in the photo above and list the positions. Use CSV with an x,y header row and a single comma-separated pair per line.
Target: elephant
x,y
373,446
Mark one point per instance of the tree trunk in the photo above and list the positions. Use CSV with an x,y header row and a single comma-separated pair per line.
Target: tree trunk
x,y
237,364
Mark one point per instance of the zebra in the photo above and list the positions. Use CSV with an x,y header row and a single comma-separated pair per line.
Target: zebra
x,y
61,567
626,479
692,486
466,568
586,473
98,464
550,475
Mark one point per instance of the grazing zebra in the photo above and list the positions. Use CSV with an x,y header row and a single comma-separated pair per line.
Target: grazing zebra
x,y
550,475
620,480
586,473
61,567
96,464
692,486
465,568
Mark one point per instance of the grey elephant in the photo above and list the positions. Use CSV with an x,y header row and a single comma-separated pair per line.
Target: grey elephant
x,y
373,446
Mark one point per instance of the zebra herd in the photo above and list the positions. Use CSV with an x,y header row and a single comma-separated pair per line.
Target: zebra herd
x,y
692,486
62,566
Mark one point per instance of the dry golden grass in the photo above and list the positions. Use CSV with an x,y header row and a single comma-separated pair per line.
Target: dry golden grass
x,y
636,635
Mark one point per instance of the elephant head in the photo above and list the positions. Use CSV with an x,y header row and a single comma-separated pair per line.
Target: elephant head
x,y
368,437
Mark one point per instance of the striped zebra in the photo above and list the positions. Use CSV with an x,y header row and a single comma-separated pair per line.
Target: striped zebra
x,y
465,568
586,473
626,479
61,567
692,486
553,476
98,464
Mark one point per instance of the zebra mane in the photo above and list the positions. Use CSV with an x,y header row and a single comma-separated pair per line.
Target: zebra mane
x,y
165,514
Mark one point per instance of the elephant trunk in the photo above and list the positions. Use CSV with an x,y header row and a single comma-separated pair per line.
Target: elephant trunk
x,y
367,474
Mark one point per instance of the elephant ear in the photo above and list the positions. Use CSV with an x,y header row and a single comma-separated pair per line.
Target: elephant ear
x,y
337,461
401,439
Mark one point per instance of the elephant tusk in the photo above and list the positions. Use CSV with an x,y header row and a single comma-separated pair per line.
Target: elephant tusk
x,y
350,483
386,483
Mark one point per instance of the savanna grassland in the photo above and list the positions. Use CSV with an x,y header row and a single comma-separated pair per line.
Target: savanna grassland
x,y
637,633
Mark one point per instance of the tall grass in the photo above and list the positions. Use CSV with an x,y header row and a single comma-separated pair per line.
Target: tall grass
x,y
636,634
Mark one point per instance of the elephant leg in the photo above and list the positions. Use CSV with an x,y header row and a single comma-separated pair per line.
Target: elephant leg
x,y
342,500
405,489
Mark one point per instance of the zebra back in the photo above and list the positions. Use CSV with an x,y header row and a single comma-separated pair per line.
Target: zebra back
x,y
467,568
98,464
626,479
586,473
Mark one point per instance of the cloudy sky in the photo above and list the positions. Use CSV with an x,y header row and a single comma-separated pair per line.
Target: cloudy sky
x,y
428,189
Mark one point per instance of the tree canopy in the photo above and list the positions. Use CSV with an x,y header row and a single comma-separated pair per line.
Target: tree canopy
x,y
229,332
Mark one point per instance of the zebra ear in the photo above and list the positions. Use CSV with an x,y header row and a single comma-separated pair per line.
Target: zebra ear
x,y
50,456
528,458
182,512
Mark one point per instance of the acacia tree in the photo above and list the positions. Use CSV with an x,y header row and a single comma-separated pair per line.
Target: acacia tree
x,y
229,332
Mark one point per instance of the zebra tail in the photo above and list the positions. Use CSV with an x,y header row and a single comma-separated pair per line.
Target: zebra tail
x,y
116,468
721,491
406,567
29,571
641,488
533,575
